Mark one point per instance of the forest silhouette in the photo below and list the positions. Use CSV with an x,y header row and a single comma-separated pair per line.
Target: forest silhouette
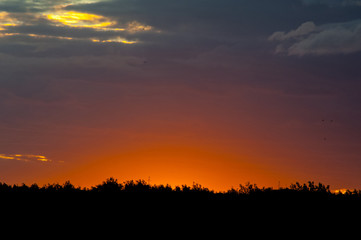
x,y
132,202
141,189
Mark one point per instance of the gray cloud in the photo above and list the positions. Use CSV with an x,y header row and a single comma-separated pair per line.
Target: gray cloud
x,y
233,18
33,6
327,39
26,6
305,29
333,2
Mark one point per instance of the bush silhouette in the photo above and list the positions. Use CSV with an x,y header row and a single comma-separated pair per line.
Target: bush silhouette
x,y
109,185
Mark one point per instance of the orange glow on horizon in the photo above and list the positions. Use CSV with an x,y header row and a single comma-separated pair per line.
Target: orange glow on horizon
x,y
173,165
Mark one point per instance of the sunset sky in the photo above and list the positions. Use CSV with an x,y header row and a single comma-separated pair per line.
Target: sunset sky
x,y
217,92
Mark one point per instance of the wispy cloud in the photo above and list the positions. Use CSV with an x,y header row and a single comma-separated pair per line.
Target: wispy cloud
x,y
326,39
305,29
25,158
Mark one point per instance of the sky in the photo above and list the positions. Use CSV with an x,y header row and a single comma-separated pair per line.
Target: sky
x,y
217,92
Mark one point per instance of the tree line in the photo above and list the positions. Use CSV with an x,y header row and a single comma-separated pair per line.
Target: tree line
x,y
309,190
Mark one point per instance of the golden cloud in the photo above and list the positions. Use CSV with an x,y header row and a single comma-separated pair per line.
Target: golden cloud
x,y
25,157
97,22
116,39
6,20
136,27
80,20
73,19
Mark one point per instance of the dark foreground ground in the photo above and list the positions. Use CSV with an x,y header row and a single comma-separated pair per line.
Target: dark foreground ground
x,y
142,210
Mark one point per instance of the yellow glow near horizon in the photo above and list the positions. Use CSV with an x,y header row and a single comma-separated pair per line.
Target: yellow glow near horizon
x,y
341,191
80,20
